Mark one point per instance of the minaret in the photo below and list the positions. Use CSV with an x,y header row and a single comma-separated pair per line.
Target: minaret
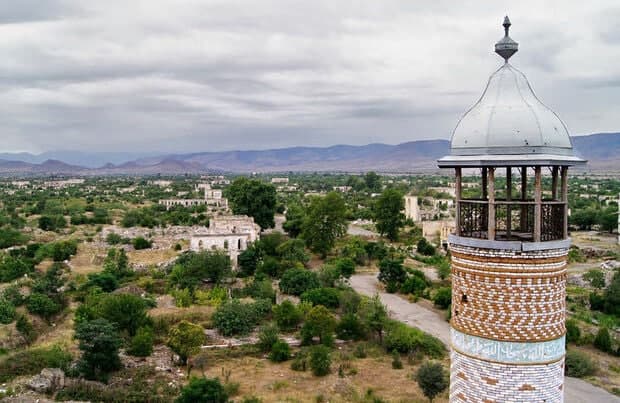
x,y
509,252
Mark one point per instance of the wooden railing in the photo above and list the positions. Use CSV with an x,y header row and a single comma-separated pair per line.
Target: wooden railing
x,y
513,220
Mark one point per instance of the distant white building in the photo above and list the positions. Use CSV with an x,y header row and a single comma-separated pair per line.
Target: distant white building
x,y
412,210
60,184
160,182
279,180
342,189
232,234
212,197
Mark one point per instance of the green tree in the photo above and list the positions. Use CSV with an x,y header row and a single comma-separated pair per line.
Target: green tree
x,y
374,315
12,267
292,251
207,390
432,379
443,297
608,219
99,343
249,260
295,216
325,223
142,343
287,315
126,311
234,318
280,351
373,182
297,281
319,322
7,312
42,305
320,360
392,273
255,199
185,339
116,263
611,302
191,268
573,333
602,341
141,243
387,211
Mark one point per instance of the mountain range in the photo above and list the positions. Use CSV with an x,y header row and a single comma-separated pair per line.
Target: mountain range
x,y
602,150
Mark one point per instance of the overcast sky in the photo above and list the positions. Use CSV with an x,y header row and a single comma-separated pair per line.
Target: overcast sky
x,y
198,75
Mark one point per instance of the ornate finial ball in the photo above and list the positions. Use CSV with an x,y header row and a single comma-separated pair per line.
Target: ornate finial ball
x,y
506,47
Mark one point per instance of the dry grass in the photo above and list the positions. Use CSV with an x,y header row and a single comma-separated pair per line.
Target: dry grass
x,y
151,256
608,374
276,382
89,259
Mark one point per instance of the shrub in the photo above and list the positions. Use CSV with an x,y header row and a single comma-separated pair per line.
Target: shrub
x,y
346,267
396,361
142,343
7,312
12,268
213,297
287,315
392,273
596,278
573,333
185,339
42,305
113,238
104,280
234,318
360,351
320,360
405,339
126,311
32,361
319,322
141,243
182,298
350,301
602,341
280,351
425,248
297,281
432,379
267,336
413,285
12,295
443,297
597,301
300,361
261,289
578,364
350,327
24,326
328,297
203,390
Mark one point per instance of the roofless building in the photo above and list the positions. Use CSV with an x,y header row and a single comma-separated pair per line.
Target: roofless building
x,y
509,251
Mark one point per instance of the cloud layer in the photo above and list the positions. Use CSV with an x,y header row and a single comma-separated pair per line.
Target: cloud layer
x,y
189,75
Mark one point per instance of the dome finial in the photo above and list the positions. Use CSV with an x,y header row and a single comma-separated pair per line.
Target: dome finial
x,y
506,47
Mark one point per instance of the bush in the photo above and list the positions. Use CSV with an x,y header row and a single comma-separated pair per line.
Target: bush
x,y
260,289
425,248
346,267
7,312
287,315
141,243
280,351
203,390
126,311
213,297
573,333
350,327
234,318
320,360
405,339
32,361
443,297
24,326
185,339
267,336
182,298
392,273
602,341
432,379
597,301
300,361
578,364
328,297
297,281
142,343
113,238
413,285
396,361
319,322
104,280
42,305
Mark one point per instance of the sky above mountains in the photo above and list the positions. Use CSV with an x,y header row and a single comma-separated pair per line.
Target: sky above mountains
x,y
190,75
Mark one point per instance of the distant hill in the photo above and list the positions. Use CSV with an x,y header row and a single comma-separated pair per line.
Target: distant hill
x,y
602,150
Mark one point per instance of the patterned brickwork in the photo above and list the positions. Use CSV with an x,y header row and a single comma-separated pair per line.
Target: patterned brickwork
x,y
509,295
473,380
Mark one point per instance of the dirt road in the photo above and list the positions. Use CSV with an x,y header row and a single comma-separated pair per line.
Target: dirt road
x,y
576,390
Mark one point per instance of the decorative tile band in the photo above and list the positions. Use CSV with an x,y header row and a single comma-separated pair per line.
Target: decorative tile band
x,y
508,352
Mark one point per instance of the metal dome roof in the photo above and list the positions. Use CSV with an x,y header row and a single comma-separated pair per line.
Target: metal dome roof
x,y
509,123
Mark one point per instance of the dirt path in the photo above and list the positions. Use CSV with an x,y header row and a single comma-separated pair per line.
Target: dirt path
x,y
576,390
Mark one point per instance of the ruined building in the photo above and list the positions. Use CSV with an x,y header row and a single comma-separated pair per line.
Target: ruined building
x,y
509,250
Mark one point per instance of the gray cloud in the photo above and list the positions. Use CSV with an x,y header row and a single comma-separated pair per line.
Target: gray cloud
x,y
188,75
